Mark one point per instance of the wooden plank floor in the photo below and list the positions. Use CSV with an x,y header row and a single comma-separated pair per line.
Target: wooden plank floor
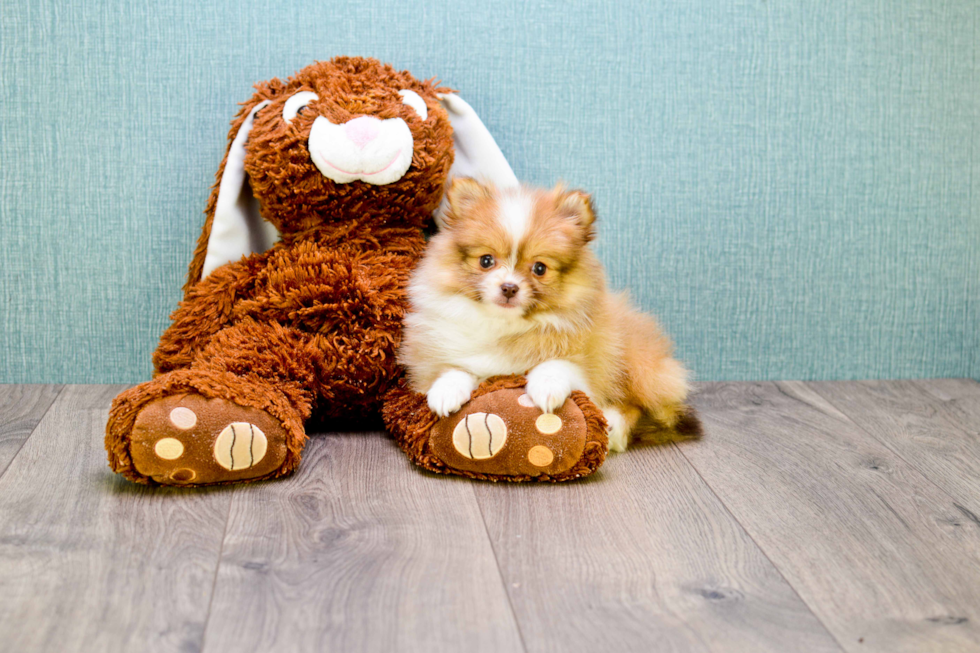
x,y
812,517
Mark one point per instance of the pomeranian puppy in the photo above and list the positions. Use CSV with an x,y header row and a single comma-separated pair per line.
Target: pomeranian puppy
x,y
509,285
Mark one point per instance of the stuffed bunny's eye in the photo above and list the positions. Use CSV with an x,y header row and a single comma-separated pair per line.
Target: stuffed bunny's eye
x,y
414,100
297,103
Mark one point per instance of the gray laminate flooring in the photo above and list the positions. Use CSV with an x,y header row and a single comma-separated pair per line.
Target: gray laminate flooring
x,y
832,516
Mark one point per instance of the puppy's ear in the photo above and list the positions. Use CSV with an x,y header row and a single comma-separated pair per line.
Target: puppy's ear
x,y
577,206
464,194
233,227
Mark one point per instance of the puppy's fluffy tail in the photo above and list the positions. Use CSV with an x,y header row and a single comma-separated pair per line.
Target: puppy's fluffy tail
x,y
658,382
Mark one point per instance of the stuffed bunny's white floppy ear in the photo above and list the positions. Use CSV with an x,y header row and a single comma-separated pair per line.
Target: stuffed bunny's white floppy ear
x,y
237,228
477,154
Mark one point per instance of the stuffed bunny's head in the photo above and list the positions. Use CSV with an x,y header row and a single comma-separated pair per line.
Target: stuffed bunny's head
x,y
346,143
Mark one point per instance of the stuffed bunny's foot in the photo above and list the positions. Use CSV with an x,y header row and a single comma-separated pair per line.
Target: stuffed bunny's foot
x,y
187,439
500,434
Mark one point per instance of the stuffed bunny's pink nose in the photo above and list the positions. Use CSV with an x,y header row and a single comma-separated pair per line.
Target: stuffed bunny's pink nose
x,y
363,130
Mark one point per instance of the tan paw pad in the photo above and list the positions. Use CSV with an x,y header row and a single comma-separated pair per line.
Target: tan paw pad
x,y
525,400
540,456
480,436
169,448
240,445
183,475
183,418
548,423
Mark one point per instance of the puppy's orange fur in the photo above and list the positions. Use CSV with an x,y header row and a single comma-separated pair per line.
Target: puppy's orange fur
x,y
461,320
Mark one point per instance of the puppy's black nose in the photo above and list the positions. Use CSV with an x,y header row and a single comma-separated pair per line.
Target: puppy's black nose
x,y
509,289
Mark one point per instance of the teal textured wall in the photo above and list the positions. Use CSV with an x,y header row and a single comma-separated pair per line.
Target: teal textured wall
x,y
791,185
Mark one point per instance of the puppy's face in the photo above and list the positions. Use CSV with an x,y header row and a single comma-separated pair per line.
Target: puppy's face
x,y
518,251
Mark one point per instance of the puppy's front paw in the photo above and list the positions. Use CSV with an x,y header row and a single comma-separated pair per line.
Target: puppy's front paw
x,y
549,384
450,392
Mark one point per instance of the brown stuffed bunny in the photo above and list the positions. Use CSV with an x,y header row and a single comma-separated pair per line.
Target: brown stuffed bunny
x,y
296,292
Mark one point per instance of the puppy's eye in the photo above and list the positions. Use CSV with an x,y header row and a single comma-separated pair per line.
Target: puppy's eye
x,y
486,261
539,269
414,100
295,105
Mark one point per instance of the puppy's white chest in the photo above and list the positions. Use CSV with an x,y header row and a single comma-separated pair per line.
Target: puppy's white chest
x,y
478,349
